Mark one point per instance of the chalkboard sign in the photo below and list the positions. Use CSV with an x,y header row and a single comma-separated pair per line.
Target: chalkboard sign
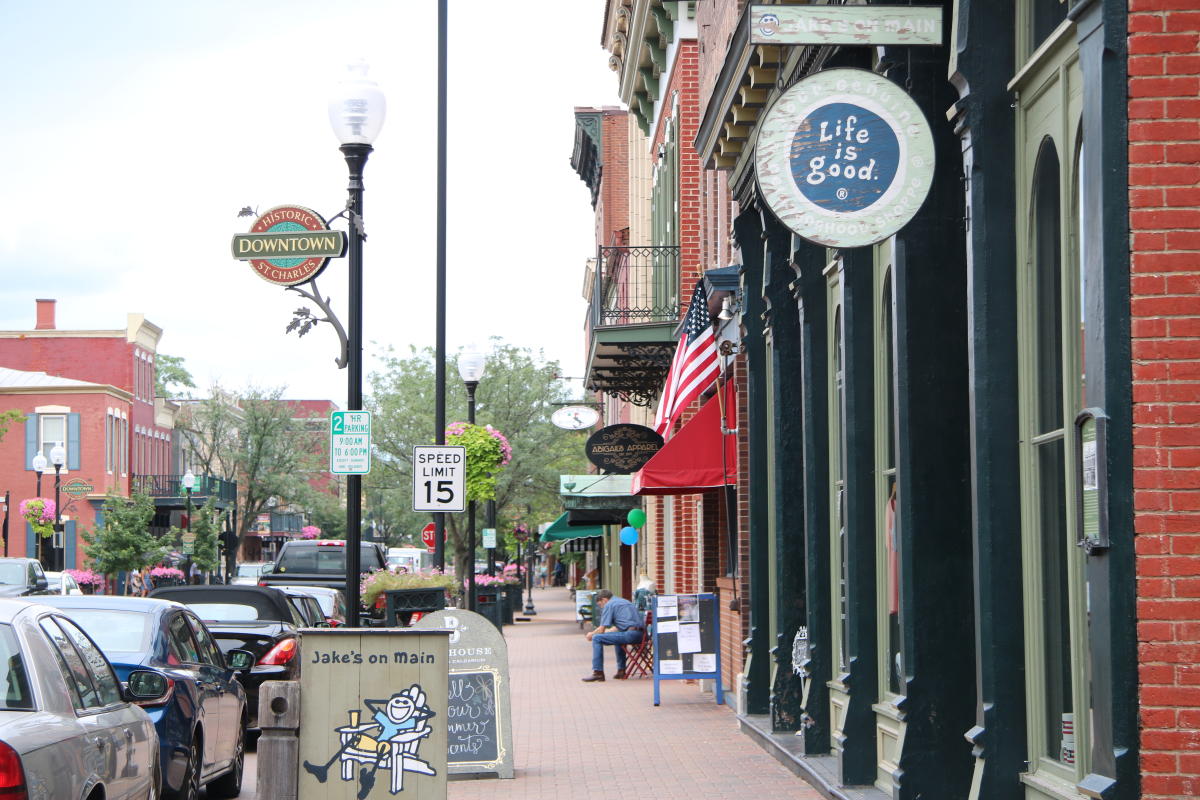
x,y
471,733
687,640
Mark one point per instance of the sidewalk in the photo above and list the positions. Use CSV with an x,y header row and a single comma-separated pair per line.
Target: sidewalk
x,y
578,741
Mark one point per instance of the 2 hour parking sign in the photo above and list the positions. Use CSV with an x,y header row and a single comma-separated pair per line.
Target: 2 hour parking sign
x,y
439,478
350,442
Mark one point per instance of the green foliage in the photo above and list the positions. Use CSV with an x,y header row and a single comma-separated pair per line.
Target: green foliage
x,y
170,374
485,458
8,419
517,394
206,524
124,542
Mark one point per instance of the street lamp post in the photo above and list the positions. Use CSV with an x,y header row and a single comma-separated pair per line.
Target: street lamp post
x,y
356,112
530,558
189,483
39,466
470,369
58,457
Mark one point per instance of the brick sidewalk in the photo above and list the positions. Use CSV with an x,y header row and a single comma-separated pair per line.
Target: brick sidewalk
x,y
580,741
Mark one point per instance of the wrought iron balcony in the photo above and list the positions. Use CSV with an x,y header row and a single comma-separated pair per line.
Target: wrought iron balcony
x,y
165,487
633,315
635,286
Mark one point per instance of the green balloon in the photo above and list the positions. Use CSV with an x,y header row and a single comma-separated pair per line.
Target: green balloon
x,y
636,517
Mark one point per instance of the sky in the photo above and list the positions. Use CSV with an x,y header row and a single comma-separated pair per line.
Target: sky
x,y
132,132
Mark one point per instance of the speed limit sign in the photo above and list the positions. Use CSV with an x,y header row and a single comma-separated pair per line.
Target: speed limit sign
x,y
439,478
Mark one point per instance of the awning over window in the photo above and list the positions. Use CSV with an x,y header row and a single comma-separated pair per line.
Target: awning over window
x,y
561,529
697,458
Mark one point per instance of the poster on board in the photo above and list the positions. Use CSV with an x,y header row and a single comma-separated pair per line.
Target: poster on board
x,y
687,640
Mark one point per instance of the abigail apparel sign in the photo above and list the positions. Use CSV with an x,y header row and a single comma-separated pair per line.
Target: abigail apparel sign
x,y
844,158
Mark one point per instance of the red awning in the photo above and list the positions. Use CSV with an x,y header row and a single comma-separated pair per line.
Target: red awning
x,y
697,458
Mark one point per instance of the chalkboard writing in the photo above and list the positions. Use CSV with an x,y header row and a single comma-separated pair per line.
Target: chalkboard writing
x,y
687,639
471,718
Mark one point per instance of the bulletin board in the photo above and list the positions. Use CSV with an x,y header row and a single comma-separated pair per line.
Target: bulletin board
x,y
687,640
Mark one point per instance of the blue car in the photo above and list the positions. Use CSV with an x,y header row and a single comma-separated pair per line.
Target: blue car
x,y
201,720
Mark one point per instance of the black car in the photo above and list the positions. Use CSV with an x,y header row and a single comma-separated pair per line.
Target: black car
x,y
22,577
252,618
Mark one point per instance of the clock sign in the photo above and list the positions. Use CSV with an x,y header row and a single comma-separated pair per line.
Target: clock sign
x,y
575,418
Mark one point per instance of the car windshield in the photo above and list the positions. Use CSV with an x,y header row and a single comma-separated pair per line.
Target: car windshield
x,y
12,574
225,612
329,559
325,601
13,677
115,631
249,570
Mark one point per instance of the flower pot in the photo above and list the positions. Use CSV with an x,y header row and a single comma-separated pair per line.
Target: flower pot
x,y
400,603
87,588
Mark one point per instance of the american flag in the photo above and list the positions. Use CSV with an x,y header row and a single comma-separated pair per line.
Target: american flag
x,y
694,366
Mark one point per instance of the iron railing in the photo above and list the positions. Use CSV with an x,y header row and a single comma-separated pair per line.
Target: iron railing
x,y
635,285
161,486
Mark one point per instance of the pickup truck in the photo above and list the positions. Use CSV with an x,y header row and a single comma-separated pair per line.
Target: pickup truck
x,y
320,562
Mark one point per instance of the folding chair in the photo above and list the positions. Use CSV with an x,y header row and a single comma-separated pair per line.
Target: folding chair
x,y
639,658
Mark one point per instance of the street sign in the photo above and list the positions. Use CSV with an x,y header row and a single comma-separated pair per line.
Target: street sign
x,y
289,245
350,442
489,538
77,487
429,536
439,478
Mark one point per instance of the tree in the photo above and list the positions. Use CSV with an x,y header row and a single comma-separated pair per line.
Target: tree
x,y
251,439
169,373
518,393
206,525
8,418
123,542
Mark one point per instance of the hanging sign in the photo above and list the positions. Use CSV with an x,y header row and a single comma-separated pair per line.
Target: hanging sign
x,y
846,25
289,245
844,158
623,448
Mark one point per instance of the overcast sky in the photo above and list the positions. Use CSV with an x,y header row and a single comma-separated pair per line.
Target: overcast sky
x,y
131,133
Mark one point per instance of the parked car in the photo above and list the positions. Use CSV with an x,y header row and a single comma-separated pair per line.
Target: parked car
x,y
332,601
201,718
62,705
320,562
21,577
307,606
62,583
251,618
248,572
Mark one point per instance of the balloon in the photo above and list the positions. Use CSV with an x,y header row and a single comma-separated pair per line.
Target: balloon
x,y
629,536
636,517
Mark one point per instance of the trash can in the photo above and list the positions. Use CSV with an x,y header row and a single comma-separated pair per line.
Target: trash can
x,y
401,603
490,603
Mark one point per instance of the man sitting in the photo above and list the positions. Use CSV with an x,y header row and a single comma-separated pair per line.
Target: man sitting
x,y
620,623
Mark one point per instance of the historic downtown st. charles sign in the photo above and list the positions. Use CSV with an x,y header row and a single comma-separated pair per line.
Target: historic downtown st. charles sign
x,y
289,245
844,158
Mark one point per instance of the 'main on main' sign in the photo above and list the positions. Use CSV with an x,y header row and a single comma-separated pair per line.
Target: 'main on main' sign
x,y
289,245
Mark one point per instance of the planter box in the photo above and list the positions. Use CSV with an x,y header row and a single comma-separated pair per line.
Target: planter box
x,y
491,604
400,603
513,595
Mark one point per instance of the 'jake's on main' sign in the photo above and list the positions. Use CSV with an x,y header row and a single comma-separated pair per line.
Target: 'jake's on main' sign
x,y
844,158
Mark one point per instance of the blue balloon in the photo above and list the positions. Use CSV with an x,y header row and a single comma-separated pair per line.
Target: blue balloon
x,y
629,535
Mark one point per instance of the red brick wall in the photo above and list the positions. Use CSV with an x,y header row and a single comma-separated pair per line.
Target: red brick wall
x,y
1164,200
614,184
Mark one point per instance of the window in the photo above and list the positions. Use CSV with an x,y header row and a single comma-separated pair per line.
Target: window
x,y
209,652
53,434
182,646
13,676
108,691
837,473
891,670
1050,395
83,693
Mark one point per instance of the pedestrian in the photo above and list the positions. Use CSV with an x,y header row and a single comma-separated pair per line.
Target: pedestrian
x,y
543,570
560,573
137,584
620,624
194,573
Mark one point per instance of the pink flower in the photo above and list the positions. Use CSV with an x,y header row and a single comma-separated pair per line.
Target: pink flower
x,y
310,532
47,509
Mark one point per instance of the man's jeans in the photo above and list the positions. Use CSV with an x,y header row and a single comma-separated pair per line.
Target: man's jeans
x,y
631,636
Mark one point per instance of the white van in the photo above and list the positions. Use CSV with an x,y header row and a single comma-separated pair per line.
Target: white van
x,y
413,559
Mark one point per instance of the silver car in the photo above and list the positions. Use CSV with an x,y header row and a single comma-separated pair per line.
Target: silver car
x,y
68,729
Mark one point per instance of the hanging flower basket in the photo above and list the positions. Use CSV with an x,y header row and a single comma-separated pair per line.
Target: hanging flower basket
x,y
488,451
39,513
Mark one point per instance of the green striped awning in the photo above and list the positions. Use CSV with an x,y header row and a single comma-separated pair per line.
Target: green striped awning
x,y
560,530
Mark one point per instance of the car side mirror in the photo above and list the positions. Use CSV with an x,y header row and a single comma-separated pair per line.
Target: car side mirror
x,y
41,584
145,686
239,660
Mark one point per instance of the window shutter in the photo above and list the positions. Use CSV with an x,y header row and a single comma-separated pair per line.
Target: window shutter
x,y
69,544
31,440
30,542
72,441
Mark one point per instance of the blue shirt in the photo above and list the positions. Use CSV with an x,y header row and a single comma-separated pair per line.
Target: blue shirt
x,y
620,613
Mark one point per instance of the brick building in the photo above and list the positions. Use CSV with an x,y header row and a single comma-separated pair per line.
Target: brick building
x,y
968,518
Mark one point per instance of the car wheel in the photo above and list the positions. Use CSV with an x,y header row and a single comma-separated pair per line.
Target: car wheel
x,y
190,788
230,784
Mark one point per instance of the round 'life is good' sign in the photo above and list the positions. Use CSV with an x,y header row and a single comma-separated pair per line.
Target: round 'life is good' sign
x,y
844,158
